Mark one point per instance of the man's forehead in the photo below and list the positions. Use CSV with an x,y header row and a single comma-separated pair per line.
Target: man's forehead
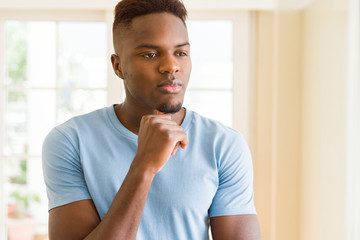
x,y
152,29
153,21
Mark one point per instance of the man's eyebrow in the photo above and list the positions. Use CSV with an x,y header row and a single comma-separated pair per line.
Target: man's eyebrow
x,y
183,45
146,45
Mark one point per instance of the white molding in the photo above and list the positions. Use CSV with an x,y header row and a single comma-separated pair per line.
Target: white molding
x,y
52,15
291,4
236,5
242,91
353,127
57,4
203,5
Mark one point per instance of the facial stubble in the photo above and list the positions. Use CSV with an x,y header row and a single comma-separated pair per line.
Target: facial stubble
x,y
167,108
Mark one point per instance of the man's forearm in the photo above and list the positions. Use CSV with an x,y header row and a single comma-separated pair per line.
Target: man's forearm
x,y
124,215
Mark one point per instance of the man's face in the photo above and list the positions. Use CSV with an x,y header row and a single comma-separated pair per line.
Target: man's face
x,y
155,62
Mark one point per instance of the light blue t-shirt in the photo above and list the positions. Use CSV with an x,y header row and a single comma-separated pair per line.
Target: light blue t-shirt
x,y
89,156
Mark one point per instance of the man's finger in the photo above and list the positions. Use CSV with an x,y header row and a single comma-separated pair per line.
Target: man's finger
x,y
175,149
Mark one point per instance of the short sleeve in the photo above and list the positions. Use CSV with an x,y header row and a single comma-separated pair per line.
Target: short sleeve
x,y
62,170
235,191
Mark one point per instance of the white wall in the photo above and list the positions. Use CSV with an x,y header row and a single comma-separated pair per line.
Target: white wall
x,y
306,165
277,154
324,141
353,126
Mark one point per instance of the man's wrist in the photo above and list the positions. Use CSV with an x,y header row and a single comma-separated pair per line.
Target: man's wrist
x,y
139,169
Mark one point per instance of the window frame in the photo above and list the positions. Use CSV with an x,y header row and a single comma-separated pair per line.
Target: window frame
x,y
35,15
243,63
2,74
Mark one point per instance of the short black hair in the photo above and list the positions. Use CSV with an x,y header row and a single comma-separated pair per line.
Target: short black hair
x,y
127,10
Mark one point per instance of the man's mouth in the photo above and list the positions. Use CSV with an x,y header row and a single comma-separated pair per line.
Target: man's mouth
x,y
170,87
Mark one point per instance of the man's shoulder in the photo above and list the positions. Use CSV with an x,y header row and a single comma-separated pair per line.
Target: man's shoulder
x,y
90,118
207,124
210,130
81,123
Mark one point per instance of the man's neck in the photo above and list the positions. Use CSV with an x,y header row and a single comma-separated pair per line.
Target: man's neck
x,y
130,117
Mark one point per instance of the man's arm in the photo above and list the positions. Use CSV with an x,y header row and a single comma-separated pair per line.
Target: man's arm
x,y
73,221
158,138
239,227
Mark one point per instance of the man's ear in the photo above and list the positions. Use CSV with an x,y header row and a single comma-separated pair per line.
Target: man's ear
x,y
115,60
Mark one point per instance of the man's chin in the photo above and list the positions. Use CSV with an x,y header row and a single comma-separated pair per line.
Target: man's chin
x,y
166,108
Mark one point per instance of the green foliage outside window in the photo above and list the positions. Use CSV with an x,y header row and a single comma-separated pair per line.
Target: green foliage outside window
x,y
16,46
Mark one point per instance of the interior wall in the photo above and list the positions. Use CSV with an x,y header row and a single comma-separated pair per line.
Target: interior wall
x,y
325,28
278,123
301,122
262,152
288,124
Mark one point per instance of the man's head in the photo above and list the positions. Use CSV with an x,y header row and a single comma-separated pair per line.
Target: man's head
x,y
127,10
152,53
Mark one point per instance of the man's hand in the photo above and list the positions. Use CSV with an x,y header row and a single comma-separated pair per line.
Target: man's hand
x,y
159,137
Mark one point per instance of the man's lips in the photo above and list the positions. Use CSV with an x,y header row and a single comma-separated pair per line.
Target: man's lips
x,y
170,87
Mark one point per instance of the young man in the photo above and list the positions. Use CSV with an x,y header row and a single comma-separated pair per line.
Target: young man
x,y
148,168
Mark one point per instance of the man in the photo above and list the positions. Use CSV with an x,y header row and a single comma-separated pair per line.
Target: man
x,y
148,168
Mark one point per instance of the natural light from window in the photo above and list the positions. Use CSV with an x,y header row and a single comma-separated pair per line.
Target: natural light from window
x,y
55,70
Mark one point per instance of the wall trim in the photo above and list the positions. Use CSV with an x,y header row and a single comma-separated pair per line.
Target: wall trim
x,y
190,4
353,129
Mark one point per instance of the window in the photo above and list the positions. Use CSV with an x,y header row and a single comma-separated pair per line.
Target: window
x,y
51,74
220,85
210,87
56,67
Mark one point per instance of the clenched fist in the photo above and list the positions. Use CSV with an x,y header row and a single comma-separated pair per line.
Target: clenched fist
x,y
158,138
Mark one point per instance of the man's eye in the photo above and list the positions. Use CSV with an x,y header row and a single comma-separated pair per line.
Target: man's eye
x,y
150,55
182,54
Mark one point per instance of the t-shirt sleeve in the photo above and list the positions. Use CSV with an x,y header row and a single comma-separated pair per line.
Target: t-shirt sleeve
x,y
62,170
235,191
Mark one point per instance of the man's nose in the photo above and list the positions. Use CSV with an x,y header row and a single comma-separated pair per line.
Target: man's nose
x,y
169,64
